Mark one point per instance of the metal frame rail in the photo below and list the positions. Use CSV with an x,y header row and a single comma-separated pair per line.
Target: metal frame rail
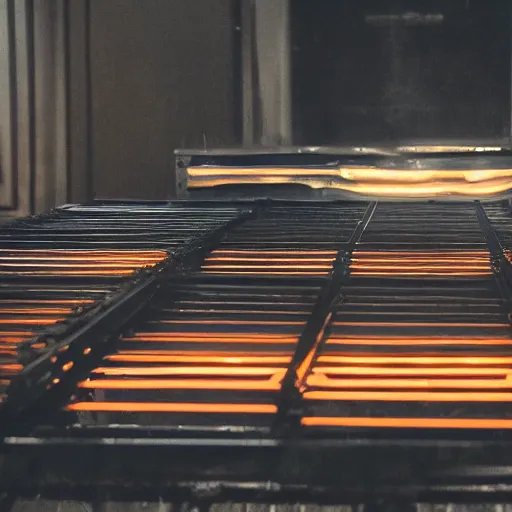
x,y
314,331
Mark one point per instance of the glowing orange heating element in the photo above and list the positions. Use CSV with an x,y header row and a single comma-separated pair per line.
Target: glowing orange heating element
x,y
174,407
77,262
366,181
437,423
424,263
208,337
154,356
73,263
271,262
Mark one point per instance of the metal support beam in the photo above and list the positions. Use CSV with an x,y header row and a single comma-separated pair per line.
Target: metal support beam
x,y
313,335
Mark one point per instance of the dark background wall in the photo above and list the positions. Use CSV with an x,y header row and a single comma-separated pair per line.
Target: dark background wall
x,y
162,78
165,74
355,81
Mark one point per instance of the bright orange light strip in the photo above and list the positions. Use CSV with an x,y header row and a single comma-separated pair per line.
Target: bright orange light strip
x,y
459,423
242,311
35,311
210,358
79,266
76,273
194,337
251,262
424,383
420,264
413,371
173,407
425,253
108,254
30,321
415,360
231,322
276,261
268,267
190,370
272,384
274,273
11,368
368,181
58,262
421,324
408,396
290,252
417,341
57,302
425,273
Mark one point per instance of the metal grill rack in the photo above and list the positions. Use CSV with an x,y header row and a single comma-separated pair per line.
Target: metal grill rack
x,y
303,337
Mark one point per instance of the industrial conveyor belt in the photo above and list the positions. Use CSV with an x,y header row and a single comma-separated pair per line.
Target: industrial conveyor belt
x,y
295,337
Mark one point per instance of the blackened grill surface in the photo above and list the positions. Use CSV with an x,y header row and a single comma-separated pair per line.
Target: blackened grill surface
x,y
213,348
419,334
56,266
307,338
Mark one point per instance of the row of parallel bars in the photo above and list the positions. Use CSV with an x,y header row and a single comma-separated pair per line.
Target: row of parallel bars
x,y
102,323
313,334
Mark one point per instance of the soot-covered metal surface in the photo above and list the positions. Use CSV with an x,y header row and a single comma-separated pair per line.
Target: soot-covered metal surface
x,y
327,352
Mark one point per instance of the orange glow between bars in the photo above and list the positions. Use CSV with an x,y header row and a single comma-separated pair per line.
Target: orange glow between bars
x,y
211,358
408,396
77,263
173,407
30,321
263,262
274,273
231,322
268,267
420,263
415,360
11,367
272,384
301,261
194,337
57,302
36,311
471,383
415,341
420,324
191,370
251,252
414,371
459,423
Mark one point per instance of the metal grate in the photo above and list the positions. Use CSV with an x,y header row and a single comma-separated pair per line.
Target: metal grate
x,y
213,349
421,336
330,357
55,266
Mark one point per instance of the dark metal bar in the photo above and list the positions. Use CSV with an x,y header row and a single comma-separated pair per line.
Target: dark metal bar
x,y
306,471
500,265
313,334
